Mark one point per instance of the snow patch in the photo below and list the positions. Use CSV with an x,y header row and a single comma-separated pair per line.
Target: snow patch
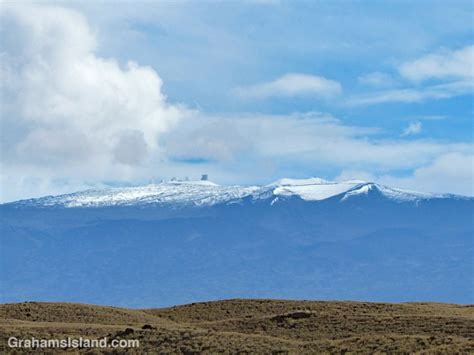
x,y
391,193
314,192
174,192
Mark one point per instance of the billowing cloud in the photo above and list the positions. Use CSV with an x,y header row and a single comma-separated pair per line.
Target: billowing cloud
x,y
67,112
131,147
457,64
291,85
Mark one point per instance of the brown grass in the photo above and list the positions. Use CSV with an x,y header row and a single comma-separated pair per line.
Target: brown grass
x,y
252,326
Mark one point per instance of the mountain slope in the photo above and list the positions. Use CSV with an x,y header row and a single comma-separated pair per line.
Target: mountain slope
x,y
185,242
206,193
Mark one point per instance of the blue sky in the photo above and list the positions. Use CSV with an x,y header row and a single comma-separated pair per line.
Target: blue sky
x,y
247,91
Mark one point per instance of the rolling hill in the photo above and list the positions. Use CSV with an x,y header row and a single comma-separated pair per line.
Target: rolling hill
x,y
250,327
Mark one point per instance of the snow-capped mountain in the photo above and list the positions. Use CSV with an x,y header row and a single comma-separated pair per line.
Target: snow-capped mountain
x,y
316,189
207,193
184,241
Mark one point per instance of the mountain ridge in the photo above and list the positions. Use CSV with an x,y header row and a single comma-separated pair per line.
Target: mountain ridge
x,y
377,244
207,193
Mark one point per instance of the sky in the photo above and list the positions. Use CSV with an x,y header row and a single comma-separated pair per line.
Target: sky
x,y
97,94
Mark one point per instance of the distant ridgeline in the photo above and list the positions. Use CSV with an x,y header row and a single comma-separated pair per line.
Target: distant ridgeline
x,y
185,241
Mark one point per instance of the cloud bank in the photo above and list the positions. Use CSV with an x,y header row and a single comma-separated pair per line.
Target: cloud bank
x,y
451,172
256,147
453,72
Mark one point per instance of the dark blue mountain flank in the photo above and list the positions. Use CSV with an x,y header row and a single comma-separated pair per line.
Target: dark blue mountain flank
x,y
182,242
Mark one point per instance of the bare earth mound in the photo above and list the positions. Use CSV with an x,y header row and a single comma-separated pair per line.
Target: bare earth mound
x,y
249,326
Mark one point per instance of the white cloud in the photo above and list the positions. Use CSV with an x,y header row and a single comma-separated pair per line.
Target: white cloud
x,y
130,148
454,68
439,91
412,128
254,148
292,84
68,113
458,64
451,172
71,119
376,79
298,140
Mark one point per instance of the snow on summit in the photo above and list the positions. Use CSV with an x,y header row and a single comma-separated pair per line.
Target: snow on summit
x,y
174,192
313,189
207,193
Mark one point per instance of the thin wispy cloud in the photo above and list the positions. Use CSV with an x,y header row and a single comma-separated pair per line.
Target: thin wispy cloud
x,y
435,92
412,128
453,71
413,95
301,139
292,85
376,79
